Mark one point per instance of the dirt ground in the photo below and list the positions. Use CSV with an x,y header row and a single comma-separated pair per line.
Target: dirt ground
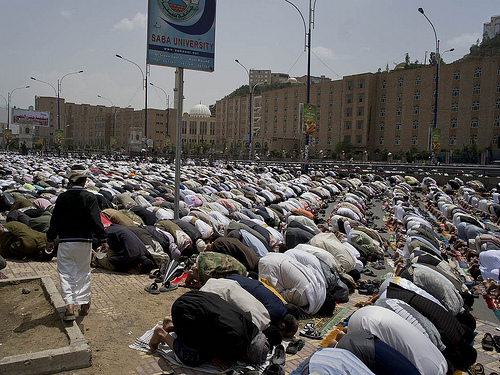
x,y
111,332
28,322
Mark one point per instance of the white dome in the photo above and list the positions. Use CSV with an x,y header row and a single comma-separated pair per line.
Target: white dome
x,y
200,110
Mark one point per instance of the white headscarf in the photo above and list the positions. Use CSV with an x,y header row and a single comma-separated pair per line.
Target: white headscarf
x,y
76,171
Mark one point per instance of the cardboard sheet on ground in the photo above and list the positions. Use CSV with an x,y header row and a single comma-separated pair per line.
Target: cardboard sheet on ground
x,y
142,344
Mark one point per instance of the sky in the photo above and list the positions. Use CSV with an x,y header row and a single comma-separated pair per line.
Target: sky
x,y
50,38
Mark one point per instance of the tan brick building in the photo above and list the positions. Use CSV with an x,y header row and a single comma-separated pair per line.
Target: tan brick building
x,y
93,126
387,110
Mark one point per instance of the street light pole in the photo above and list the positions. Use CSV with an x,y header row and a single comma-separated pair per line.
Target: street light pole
x,y
9,96
312,8
167,102
59,86
250,111
437,57
114,111
145,83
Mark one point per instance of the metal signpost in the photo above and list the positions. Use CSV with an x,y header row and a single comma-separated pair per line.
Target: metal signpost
x,y
181,34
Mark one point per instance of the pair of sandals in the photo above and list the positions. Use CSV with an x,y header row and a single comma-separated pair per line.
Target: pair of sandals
x,y
310,332
295,346
154,289
84,310
490,342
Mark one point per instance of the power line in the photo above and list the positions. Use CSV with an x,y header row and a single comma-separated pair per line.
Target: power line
x,y
338,75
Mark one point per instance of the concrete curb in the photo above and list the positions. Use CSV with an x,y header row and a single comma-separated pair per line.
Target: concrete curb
x,y
74,356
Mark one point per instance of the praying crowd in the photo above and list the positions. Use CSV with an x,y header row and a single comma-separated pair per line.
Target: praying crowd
x,y
261,248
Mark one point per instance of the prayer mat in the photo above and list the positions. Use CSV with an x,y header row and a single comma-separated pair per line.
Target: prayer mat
x,y
142,344
2,276
181,281
325,325
492,304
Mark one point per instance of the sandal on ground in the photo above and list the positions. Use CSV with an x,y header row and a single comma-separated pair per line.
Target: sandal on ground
x,y
487,342
69,318
84,309
168,287
477,369
295,346
279,355
152,288
496,342
310,332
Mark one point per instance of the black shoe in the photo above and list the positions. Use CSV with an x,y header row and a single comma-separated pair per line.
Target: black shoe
x,y
274,369
279,356
295,346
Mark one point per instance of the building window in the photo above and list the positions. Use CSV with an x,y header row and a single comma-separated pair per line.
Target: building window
x,y
498,70
318,116
359,138
397,140
296,94
399,111
286,96
475,105
416,110
318,104
381,140
329,141
318,92
359,124
456,75
455,91
415,125
285,107
453,123
414,140
382,98
294,106
498,88
416,95
284,118
361,84
497,104
348,98
331,90
397,126
476,90
477,72
399,96
330,103
360,111
347,125
330,115
284,129
382,125
348,112
275,130
330,127
495,139
418,80
474,122
295,128
454,107
400,82
361,98
384,84
294,117
275,119
317,128
347,138
453,139
382,112
473,139
349,85
496,123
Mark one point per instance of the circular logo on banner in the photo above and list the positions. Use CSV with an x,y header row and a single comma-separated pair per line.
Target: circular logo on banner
x,y
179,10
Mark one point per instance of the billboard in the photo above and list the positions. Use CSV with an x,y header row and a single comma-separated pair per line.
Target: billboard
x,y
309,118
36,118
59,134
181,33
436,139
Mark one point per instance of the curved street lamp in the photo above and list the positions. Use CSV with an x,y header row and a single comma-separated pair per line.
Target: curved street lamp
x,y
59,87
114,111
145,87
167,102
312,8
9,96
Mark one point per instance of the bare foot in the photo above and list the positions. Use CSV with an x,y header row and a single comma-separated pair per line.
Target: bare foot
x,y
168,324
490,284
159,336
220,364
